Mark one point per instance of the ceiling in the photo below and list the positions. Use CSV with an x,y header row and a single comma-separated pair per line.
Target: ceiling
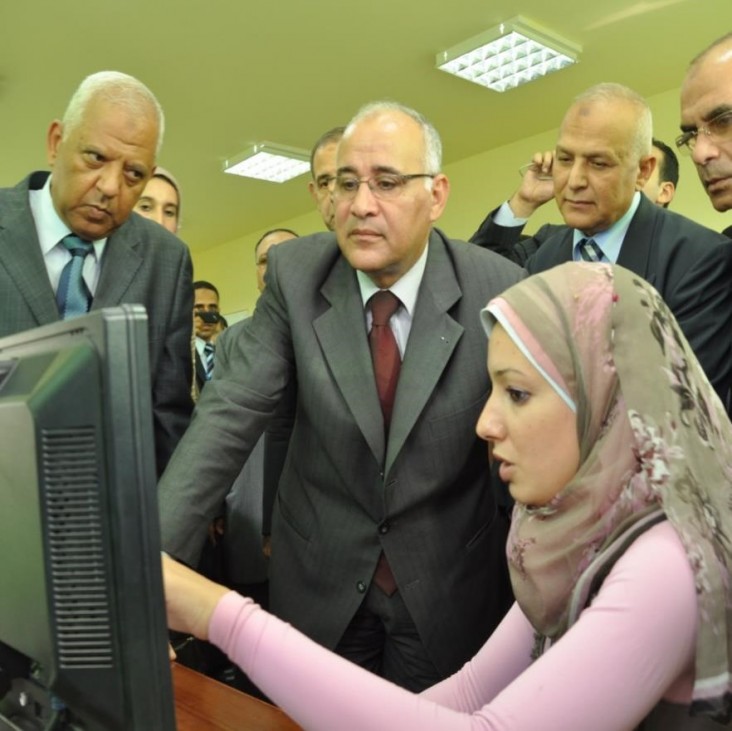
x,y
232,72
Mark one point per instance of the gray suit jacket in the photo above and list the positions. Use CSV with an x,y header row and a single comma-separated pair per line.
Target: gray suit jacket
x,y
143,264
424,497
242,542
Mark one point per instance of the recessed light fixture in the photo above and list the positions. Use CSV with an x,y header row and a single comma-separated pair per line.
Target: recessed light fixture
x,y
267,161
508,55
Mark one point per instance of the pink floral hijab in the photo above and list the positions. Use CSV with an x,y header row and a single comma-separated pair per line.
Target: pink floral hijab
x,y
654,440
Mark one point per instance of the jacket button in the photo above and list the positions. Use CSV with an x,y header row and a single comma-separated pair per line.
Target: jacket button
x,y
384,528
361,587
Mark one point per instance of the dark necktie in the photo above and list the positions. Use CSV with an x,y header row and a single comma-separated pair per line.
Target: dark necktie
x,y
589,250
387,362
384,350
72,296
208,359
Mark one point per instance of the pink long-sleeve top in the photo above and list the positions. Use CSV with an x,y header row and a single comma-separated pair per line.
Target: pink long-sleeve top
x,y
631,647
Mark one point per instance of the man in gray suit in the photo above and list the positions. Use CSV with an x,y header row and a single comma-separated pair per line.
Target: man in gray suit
x,y
102,154
413,500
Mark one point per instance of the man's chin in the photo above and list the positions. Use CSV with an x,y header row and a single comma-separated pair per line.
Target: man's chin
x,y
721,202
92,230
581,223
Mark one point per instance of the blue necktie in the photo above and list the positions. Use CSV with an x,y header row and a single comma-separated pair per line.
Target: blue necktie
x,y
589,250
72,296
208,355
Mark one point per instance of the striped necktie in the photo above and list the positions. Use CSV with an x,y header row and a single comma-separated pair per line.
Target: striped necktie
x,y
589,250
73,296
208,359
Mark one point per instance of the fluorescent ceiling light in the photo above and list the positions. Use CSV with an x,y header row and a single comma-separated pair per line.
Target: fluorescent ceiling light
x,y
265,161
508,55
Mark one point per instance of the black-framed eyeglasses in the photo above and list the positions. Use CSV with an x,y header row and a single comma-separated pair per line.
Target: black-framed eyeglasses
x,y
383,185
718,129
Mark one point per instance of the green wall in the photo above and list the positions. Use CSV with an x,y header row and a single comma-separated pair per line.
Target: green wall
x,y
478,184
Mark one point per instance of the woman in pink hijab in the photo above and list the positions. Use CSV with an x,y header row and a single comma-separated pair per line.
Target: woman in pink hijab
x,y
619,456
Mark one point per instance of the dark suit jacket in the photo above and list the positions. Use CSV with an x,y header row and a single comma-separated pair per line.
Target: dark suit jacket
x,y
143,264
509,241
200,370
690,266
424,497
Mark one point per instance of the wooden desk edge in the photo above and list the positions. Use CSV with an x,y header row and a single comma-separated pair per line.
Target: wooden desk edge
x,y
204,704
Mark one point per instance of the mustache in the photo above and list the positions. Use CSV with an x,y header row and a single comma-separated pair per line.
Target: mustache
x,y
710,173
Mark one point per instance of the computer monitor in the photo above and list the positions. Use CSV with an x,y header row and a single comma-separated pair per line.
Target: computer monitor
x,y
83,638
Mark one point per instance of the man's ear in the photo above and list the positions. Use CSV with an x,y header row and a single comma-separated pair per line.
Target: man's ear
x,y
53,140
313,191
646,166
440,194
666,193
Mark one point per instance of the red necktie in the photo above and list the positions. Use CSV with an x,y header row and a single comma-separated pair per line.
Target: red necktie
x,y
384,350
387,362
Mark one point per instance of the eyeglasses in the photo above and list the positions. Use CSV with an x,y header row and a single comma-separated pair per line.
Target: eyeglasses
x,y
540,175
718,129
383,186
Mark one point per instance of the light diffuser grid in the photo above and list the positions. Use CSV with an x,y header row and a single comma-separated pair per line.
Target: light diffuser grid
x,y
264,163
507,56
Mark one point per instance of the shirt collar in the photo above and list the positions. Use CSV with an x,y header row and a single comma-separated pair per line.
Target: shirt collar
x,y
49,225
610,240
406,288
200,345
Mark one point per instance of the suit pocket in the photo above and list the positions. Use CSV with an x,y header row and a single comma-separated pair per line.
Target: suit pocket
x,y
294,519
455,424
452,436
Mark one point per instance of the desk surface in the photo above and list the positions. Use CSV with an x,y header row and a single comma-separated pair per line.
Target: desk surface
x,y
203,704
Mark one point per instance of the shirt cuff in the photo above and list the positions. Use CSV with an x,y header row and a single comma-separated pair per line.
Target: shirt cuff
x,y
504,217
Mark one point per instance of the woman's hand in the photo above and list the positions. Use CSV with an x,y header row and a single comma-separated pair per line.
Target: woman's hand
x,y
190,599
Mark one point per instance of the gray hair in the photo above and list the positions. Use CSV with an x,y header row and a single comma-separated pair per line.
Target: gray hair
x,y
432,142
117,88
611,92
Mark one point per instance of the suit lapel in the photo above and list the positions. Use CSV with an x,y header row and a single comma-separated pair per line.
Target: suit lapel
x,y
119,266
432,339
636,249
555,249
21,257
565,248
341,332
